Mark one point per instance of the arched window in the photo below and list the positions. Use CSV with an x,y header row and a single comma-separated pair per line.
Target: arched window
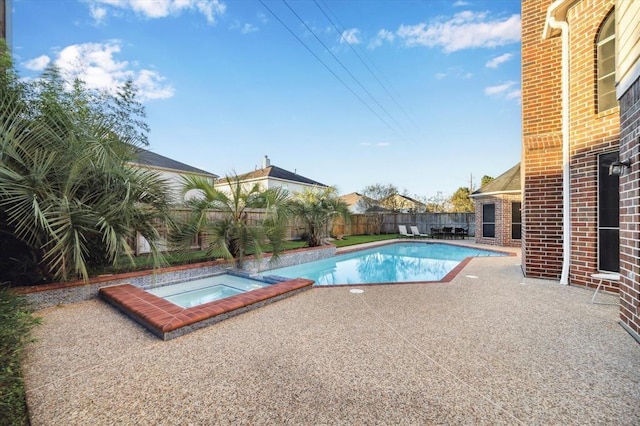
x,y
606,65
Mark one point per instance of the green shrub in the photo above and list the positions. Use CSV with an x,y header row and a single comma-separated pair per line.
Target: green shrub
x,y
16,323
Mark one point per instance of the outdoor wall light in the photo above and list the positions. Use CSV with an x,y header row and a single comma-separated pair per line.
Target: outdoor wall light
x,y
618,168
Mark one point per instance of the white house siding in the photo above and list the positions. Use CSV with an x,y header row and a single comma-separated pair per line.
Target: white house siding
x,y
627,44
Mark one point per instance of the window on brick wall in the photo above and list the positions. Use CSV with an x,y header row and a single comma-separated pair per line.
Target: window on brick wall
x,y
516,220
489,220
606,65
608,215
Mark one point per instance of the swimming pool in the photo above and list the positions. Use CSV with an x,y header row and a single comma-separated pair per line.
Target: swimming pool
x,y
209,289
392,263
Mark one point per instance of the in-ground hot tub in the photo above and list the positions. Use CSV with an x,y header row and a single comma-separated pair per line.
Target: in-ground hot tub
x,y
173,310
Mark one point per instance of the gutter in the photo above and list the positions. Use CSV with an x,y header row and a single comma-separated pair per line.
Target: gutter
x,y
482,194
557,20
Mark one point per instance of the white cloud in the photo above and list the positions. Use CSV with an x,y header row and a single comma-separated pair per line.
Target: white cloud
x,y
461,3
507,90
382,36
350,36
514,94
498,60
154,9
98,13
500,89
465,30
37,64
248,28
149,83
97,66
455,72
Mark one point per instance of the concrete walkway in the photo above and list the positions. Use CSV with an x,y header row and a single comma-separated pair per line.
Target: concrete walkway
x,y
488,348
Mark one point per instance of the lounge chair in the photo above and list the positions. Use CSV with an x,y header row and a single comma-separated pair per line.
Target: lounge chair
x,y
416,232
402,229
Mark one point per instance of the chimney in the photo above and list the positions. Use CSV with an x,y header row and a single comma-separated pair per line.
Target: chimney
x,y
266,162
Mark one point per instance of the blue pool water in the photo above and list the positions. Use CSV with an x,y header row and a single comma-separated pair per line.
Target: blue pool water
x,y
204,290
393,263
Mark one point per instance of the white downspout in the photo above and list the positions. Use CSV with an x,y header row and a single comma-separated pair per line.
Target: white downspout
x,y
563,26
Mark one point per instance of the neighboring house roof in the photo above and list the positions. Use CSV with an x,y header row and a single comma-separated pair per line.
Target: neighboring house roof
x,y
352,199
414,201
151,159
276,172
508,182
405,198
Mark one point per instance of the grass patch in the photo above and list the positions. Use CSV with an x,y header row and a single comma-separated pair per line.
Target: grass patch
x,y
351,240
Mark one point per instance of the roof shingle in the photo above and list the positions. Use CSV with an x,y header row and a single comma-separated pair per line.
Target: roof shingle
x,y
509,181
151,159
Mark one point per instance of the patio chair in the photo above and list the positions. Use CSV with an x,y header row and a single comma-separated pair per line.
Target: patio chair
x,y
447,232
461,233
416,232
402,229
436,232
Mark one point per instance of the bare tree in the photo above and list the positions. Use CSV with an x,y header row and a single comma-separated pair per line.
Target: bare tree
x,y
370,204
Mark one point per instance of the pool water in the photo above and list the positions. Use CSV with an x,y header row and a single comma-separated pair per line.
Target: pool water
x,y
204,290
393,263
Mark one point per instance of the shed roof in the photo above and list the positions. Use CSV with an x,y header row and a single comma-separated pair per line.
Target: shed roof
x,y
509,181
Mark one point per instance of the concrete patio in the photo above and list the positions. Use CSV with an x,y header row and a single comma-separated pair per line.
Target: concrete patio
x,y
491,347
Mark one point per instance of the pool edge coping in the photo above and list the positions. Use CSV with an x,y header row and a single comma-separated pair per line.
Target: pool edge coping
x,y
167,320
446,279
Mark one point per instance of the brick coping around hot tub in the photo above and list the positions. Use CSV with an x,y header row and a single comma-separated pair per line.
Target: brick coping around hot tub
x,y
167,320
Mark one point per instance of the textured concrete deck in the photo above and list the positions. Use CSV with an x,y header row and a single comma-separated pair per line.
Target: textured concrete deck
x,y
488,348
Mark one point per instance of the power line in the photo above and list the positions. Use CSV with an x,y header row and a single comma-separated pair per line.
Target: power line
x,y
343,66
327,67
340,31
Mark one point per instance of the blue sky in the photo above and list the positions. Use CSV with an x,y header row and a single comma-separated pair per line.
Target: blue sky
x,y
419,94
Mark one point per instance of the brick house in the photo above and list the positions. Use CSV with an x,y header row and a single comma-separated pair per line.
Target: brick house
x,y
497,206
580,120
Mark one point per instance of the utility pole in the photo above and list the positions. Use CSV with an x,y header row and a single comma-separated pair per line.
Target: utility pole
x,y
5,21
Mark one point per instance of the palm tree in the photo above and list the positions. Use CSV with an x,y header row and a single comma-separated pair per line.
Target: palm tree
x,y
316,208
68,196
235,233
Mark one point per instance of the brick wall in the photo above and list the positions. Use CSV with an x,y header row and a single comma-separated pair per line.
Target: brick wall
x,y
503,203
591,134
630,210
541,145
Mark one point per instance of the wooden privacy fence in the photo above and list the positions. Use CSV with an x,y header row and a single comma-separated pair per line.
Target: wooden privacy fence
x,y
294,228
361,224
